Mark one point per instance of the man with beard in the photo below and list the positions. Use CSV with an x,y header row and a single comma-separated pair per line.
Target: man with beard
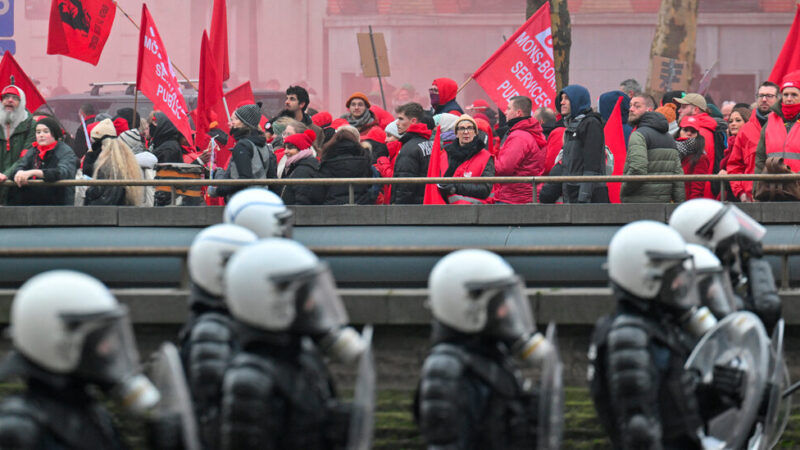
x,y
651,151
17,130
743,154
296,104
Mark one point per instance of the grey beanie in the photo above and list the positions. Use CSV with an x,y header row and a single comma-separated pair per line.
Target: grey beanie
x,y
250,115
133,140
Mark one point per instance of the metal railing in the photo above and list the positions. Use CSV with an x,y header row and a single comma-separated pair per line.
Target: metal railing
x,y
352,182
782,250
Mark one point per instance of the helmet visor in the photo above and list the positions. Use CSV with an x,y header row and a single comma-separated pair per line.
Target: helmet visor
x,y
508,311
318,305
285,223
678,284
109,353
747,226
716,292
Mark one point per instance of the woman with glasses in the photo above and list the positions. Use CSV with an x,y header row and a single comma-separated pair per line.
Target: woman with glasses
x,y
466,157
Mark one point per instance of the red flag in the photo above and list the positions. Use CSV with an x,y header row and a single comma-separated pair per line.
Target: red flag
x,y
432,195
523,65
80,29
10,68
156,78
219,37
615,141
789,59
210,92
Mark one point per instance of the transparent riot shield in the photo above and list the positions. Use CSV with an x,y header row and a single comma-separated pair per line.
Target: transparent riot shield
x,y
779,407
551,398
166,372
738,341
362,418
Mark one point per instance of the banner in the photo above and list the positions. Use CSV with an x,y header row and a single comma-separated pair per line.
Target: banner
x,y
10,68
432,194
156,78
79,29
789,59
219,37
209,94
523,65
615,141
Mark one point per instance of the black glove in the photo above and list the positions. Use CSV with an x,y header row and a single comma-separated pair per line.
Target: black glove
x,y
446,190
729,384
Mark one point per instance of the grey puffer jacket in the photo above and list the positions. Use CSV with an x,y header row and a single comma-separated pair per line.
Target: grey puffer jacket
x,y
652,151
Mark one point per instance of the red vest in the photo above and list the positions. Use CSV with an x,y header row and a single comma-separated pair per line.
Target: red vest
x,y
472,167
780,143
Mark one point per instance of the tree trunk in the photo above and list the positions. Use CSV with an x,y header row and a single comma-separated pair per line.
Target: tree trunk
x,y
673,47
562,36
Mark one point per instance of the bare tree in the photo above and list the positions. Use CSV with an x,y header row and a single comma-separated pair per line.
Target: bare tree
x,y
562,36
675,36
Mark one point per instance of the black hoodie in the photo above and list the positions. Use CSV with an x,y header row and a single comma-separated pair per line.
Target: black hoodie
x,y
164,140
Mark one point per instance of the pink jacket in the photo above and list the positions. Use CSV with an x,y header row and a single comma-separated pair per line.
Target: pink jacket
x,y
522,154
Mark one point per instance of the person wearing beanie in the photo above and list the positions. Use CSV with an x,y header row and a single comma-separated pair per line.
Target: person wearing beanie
x,y
17,131
48,159
447,124
391,132
694,160
375,143
742,157
322,119
251,157
443,96
780,136
358,113
584,148
651,151
301,162
466,157
695,105
523,152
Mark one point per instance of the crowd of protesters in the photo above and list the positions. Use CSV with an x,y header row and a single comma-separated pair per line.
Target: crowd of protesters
x,y
681,133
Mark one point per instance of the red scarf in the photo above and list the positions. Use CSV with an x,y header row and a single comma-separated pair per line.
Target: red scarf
x,y
790,111
43,149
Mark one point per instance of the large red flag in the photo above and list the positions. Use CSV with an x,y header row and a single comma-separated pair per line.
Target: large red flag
x,y
210,92
156,78
615,141
432,195
523,65
789,59
10,68
219,37
80,29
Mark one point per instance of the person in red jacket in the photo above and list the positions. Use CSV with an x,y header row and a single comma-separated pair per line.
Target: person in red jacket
x,y
695,161
743,153
522,152
780,136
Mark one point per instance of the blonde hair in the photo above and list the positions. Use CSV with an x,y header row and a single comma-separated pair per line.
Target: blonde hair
x,y
116,162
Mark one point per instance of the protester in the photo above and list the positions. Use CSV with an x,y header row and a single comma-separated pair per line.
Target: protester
x,y
630,87
606,106
447,124
344,157
712,131
651,151
17,131
413,158
116,162
87,113
521,154
301,162
48,159
443,96
779,137
695,161
251,157
296,104
164,139
742,159
584,146
466,157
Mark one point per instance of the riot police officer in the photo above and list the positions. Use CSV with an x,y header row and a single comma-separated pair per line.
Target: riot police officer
x,y
260,211
277,392
471,393
70,338
208,339
644,396
736,240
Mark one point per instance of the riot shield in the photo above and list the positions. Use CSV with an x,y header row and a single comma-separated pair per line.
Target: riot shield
x,y
778,407
738,341
362,418
551,398
166,372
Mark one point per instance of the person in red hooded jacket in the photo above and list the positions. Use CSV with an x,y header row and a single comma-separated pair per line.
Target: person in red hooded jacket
x,y
695,161
443,96
695,106
780,137
522,152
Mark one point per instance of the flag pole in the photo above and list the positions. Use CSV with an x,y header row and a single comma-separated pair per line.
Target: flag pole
x,y
173,64
135,104
464,84
377,66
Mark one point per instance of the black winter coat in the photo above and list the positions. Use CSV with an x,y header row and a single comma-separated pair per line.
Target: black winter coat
x,y
297,194
412,161
347,159
477,190
584,154
60,163
164,141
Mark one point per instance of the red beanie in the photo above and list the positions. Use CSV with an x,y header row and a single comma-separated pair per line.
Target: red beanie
x,y
322,119
376,134
791,80
120,125
301,140
338,123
